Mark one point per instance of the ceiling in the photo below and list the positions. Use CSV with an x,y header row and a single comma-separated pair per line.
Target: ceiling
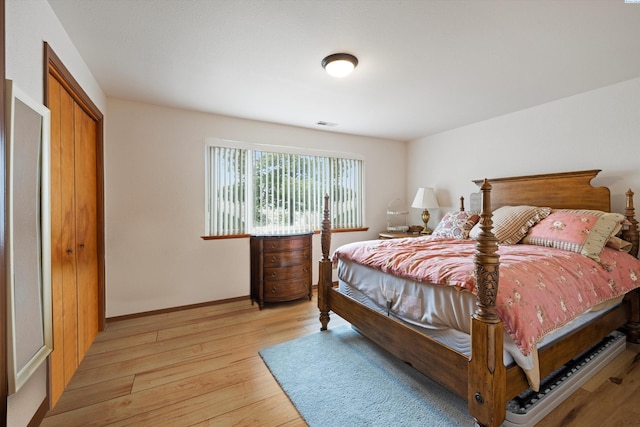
x,y
424,66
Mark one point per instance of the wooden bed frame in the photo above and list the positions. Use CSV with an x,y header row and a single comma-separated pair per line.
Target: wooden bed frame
x,y
483,380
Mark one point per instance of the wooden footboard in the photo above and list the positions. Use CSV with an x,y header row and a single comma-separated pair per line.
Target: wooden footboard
x,y
483,379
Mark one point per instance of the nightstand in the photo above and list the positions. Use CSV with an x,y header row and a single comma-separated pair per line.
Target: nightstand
x,y
386,235
280,268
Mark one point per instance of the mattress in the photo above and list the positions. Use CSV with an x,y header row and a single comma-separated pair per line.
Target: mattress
x,y
441,312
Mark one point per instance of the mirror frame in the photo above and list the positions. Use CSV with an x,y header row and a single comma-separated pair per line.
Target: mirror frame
x,y
28,221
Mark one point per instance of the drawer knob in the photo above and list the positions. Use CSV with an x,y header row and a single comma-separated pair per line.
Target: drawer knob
x,y
274,274
274,258
274,289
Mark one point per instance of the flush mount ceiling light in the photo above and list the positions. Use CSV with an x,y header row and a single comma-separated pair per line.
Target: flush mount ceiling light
x,y
339,64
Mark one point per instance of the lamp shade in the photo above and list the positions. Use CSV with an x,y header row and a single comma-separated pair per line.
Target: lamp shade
x,y
425,199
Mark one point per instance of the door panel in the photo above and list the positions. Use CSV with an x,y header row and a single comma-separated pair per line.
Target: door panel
x,y
68,235
56,359
86,229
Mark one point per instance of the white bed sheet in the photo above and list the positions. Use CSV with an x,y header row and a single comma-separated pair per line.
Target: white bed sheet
x,y
440,312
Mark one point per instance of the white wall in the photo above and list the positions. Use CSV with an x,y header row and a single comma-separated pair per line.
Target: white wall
x,y
155,209
28,24
599,129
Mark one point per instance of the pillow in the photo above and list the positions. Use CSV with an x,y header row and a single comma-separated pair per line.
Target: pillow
x,y
511,223
619,244
456,225
583,231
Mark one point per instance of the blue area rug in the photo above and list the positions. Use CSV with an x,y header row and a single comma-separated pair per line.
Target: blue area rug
x,y
339,378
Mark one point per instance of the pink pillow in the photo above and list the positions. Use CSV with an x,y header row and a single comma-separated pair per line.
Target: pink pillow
x,y
583,231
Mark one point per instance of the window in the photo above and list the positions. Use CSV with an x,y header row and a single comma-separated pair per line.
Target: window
x,y
251,189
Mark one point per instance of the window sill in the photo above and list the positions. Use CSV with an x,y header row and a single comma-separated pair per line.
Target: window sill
x,y
345,230
244,236
229,236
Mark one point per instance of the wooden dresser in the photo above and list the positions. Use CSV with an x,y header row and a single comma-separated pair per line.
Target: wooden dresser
x,y
280,267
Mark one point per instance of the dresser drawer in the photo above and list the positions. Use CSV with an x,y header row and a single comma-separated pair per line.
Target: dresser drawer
x,y
288,243
278,273
284,259
285,290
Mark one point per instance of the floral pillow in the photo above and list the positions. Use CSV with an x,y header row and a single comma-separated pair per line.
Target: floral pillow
x,y
511,223
456,225
583,231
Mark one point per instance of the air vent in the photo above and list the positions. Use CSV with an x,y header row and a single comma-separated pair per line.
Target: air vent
x,y
323,123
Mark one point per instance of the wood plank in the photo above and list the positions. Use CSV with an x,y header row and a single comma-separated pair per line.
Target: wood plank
x,y
78,398
244,375
106,346
279,408
154,360
175,318
180,371
228,338
235,398
615,369
195,343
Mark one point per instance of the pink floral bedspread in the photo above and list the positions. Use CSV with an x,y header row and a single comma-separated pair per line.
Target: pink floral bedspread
x,y
540,288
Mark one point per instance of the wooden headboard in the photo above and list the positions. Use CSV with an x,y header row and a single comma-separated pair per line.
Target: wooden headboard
x,y
568,190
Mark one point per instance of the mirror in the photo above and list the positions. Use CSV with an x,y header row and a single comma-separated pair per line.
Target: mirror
x,y
29,237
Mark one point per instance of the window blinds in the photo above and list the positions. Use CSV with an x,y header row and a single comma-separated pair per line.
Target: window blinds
x,y
286,191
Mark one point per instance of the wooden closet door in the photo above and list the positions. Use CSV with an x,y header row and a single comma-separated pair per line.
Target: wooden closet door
x,y
77,222
74,235
64,358
86,229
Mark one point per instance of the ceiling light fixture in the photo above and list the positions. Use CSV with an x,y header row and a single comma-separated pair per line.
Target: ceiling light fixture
x,y
340,64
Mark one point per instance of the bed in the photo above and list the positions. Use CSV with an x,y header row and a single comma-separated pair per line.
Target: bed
x,y
484,379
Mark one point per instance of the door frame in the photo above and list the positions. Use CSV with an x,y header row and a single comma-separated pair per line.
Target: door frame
x,y
54,66
4,379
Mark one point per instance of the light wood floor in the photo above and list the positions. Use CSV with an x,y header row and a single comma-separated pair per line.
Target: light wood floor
x,y
201,367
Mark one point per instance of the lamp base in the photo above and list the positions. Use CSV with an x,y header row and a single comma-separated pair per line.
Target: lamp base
x,y
425,218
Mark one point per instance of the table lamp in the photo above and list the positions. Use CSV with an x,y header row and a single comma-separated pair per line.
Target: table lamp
x,y
425,199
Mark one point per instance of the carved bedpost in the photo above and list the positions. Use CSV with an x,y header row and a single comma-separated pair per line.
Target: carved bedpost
x,y
630,232
325,277
487,373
